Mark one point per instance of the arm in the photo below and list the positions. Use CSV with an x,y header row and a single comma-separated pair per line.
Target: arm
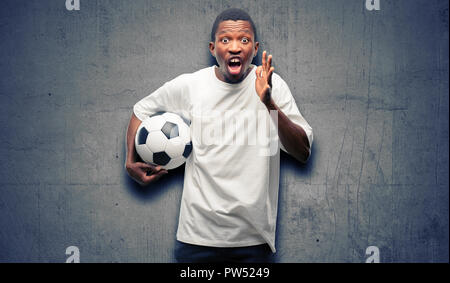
x,y
168,98
292,136
142,173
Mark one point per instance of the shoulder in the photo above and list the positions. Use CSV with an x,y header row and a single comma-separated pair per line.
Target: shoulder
x,y
278,81
192,75
279,85
189,78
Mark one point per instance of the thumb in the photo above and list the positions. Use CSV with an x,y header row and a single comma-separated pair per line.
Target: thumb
x,y
146,166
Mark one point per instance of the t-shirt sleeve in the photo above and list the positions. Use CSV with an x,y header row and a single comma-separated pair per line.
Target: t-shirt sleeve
x,y
283,98
173,97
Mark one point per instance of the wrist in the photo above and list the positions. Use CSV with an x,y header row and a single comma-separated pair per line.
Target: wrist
x,y
270,104
131,156
128,163
267,96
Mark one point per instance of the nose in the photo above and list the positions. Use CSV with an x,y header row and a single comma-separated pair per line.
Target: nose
x,y
235,47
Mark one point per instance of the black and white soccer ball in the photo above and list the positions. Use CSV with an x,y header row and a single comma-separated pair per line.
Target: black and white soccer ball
x,y
164,139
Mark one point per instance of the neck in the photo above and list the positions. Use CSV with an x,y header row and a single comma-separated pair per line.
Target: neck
x,y
221,77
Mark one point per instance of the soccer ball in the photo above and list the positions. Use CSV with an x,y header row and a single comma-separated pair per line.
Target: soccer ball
x,y
164,139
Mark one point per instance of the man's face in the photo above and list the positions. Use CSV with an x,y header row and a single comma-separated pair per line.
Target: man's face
x,y
234,49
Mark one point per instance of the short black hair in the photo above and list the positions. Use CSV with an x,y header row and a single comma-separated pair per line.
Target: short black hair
x,y
233,14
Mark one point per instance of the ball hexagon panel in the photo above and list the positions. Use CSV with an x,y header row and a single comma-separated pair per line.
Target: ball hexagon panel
x,y
154,123
184,132
174,147
144,153
156,141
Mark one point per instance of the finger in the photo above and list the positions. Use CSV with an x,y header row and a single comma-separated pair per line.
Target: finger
x,y
269,62
145,166
258,72
155,177
149,168
264,59
147,179
150,172
269,76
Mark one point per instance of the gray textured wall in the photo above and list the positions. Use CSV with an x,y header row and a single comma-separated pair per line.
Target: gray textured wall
x,y
373,85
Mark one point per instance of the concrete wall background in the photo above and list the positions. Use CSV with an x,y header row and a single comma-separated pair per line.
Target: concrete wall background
x,y
373,85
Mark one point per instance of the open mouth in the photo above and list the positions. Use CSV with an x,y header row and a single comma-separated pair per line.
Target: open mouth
x,y
234,66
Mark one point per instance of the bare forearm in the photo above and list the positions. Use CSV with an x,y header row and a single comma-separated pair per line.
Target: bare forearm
x,y
131,133
292,136
141,172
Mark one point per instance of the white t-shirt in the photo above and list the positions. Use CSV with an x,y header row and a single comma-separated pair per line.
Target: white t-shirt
x,y
231,180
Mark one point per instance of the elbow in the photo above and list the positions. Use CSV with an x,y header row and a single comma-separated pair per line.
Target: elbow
x,y
306,158
303,159
304,150
303,154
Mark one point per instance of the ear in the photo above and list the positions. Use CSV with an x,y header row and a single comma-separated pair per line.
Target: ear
x,y
255,52
212,49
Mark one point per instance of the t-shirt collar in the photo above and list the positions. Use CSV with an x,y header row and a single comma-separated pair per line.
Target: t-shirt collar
x,y
243,83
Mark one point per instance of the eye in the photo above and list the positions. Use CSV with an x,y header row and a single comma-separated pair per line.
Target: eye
x,y
224,40
245,40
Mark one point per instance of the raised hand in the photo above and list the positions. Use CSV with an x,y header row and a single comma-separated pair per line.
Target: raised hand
x,y
263,83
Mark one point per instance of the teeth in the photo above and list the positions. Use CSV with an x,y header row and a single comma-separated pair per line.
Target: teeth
x,y
234,60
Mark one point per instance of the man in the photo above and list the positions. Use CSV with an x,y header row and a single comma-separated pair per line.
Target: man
x,y
230,193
